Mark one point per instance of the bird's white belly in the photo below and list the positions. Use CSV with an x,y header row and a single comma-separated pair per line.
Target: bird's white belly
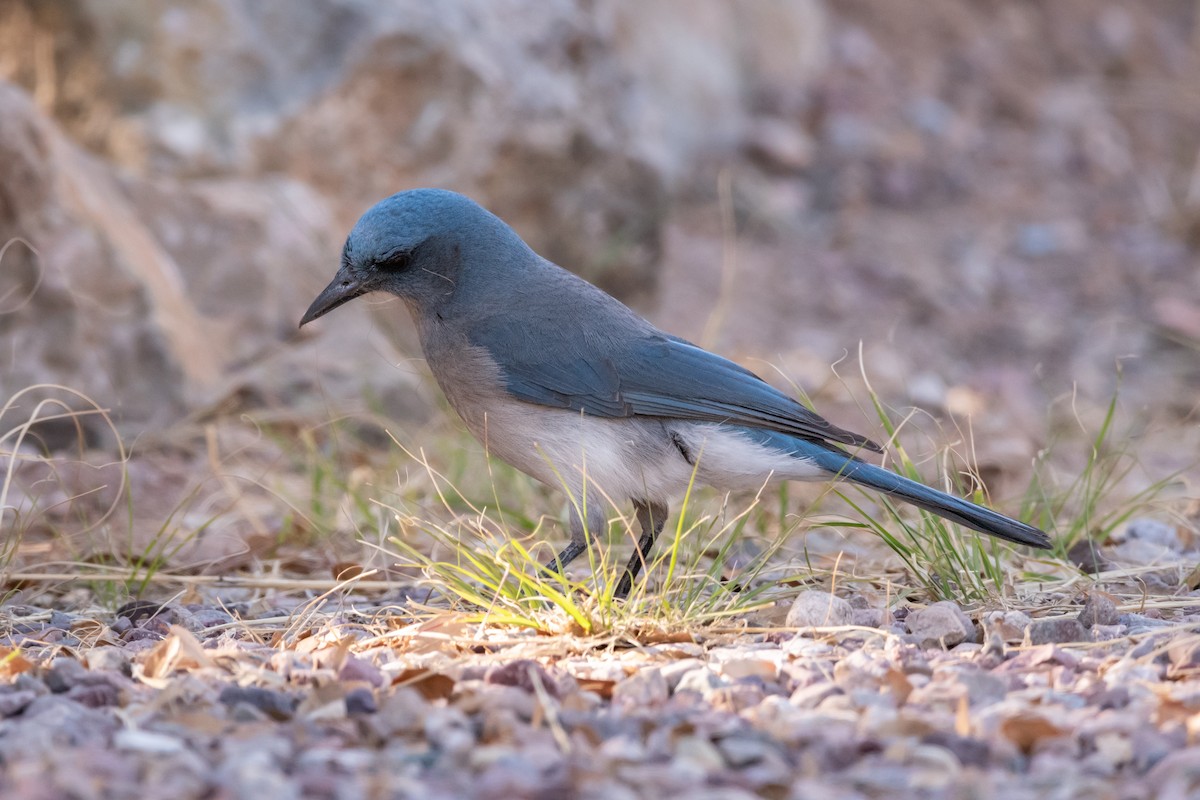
x,y
615,459
618,459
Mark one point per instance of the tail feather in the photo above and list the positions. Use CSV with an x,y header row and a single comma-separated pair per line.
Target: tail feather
x,y
956,509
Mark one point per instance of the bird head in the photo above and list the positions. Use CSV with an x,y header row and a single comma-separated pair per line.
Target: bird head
x,y
410,245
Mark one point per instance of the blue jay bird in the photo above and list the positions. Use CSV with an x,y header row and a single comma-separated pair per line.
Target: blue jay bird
x,y
570,386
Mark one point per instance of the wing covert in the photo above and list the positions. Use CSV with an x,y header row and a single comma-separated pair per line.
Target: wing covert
x,y
644,373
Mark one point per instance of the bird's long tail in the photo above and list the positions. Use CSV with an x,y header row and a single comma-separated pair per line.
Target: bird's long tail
x,y
945,505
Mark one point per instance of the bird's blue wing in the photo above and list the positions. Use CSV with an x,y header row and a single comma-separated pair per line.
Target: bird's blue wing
x,y
641,371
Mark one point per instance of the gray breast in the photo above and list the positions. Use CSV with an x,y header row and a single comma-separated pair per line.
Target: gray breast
x,y
614,459
617,458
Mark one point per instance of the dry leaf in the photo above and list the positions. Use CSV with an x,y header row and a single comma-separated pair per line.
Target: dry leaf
x,y
324,702
1172,709
333,656
906,723
307,641
12,663
196,721
962,716
90,629
658,636
431,636
345,570
179,651
1192,581
1026,730
599,686
431,685
899,684
160,661
190,595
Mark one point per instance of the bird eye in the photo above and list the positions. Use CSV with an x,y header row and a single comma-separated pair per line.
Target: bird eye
x,y
394,261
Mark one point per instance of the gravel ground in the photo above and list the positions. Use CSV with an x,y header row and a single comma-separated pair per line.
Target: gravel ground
x,y
254,701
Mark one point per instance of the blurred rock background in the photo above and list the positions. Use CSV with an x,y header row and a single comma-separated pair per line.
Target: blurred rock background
x,y
999,200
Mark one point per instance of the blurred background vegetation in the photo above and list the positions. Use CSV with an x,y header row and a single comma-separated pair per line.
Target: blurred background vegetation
x,y
996,205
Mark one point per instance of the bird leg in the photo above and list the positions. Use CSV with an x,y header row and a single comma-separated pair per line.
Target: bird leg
x,y
652,517
587,522
565,556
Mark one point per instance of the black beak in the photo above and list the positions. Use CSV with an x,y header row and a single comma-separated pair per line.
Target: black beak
x,y
342,289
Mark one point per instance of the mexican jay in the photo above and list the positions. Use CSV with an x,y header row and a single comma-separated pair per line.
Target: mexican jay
x,y
570,386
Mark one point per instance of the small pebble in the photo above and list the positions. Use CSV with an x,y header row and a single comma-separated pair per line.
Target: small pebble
x,y
816,609
1149,530
1008,625
401,713
206,618
141,634
64,673
1107,633
158,625
61,620
356,669
983,688
942,624
524,673
275,705
106,658
1143,552
1116,697
737,697
645,688
970,752
360,701
737,668
95,695
15,702
1141,623
1086,555
1050,654
812,696
702,680
675,670
150,742
1056,631
1098,609
1184,655
868,617
741,751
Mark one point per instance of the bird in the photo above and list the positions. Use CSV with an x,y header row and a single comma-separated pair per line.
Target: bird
x,y
572,387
